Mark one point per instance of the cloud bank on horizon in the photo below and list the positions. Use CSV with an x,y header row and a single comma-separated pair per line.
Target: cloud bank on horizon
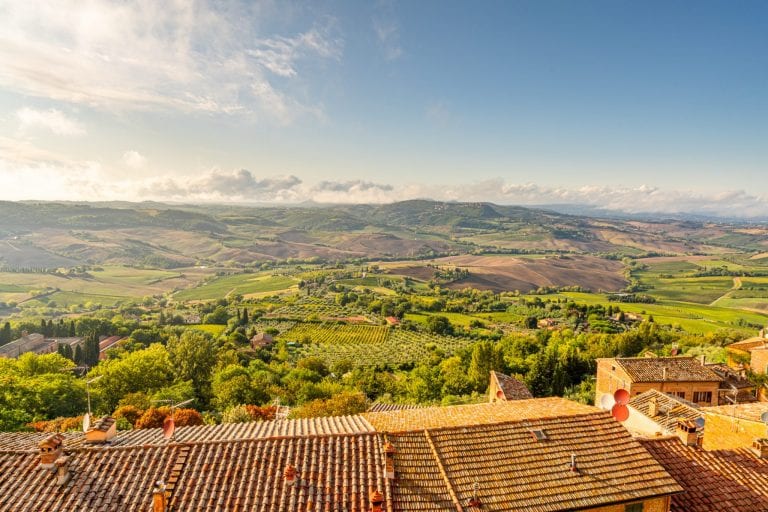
x,y
83,181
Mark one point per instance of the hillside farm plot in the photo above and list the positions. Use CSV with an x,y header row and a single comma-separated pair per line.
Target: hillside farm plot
x,y
698,318
104,286
336,333
397,348
239,284
321,309
701,290
510,273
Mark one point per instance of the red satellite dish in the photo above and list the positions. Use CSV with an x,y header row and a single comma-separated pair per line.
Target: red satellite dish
x,y
621,396
620,412
168,427
499,394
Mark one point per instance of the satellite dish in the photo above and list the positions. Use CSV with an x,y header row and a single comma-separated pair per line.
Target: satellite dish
x,y
764,417
621,396
620,412
86,422
169,427
700,422
607,401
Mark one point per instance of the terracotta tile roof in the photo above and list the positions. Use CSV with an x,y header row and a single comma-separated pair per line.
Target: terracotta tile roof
x,y
27,441
731,378
724,480
437,469
241,466
748,344
751,412
670,409
335,472
477,414
512,388
380,407
681,369
120,482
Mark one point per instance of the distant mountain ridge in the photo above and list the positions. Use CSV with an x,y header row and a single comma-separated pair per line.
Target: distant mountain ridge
x,y
158,234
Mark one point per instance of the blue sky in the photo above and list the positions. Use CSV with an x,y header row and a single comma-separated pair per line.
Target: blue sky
x,y
654,106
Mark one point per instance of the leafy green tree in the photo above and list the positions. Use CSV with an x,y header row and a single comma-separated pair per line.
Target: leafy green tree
x,y
147,370
193,356
485,357
232,386
439,324
454,377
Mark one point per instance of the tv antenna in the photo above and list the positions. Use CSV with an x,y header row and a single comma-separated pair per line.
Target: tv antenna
x,y
87,416
169,424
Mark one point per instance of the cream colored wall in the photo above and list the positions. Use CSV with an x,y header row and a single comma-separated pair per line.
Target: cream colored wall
x,y
652,505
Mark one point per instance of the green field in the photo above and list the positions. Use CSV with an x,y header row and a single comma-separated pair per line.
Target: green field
x,y
104,287
242,284
214,329
695,318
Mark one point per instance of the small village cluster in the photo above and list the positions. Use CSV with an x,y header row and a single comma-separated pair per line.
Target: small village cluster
x,y
669,434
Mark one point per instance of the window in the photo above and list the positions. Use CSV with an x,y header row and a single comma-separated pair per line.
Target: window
x,y
680,394
702,397
634,507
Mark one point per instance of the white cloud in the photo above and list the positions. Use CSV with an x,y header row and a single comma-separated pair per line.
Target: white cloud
x,y
134,159
221,186
187,56
52,120
387,31
355,191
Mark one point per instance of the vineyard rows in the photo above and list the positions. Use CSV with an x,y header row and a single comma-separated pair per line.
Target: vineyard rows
x,y
375,345
335,333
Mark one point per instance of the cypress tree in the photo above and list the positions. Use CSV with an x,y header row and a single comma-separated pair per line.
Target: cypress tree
x,y
5,334
244,318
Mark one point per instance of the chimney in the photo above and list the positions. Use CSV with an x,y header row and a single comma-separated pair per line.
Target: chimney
x,y
102,431
290,474
686,431
760,447
389,460
572,466
664,373
474,502
62,470
51,448
762,333
653,407
159,497
703,359
377,501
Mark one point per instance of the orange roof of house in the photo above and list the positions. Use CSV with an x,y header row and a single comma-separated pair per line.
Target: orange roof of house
x,y
680,369
439,454
512,388
381,407
476,414
748,344
437,469
27,441
669,409
750,412
334,471
723,480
